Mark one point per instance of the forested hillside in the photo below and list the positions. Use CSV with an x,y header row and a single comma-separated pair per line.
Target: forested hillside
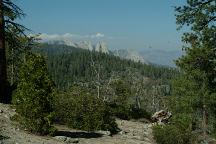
x,y
67,65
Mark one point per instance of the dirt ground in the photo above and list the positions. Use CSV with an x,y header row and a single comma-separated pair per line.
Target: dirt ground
x,y
133,132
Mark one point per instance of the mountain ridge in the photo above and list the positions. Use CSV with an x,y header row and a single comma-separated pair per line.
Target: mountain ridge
x,y
103,48
158,57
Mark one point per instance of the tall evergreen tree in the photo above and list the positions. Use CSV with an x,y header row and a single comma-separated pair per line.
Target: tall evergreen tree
x,y
194,93
33,96
195,90
8,13
3,72
200,16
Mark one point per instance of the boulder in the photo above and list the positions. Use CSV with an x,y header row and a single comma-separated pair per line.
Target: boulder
x,y
106,133
122,132
161,117
72,140
61,138
67,140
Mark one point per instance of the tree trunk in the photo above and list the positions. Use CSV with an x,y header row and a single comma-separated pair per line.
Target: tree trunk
x,y
98,82
12,69
204,122
3,72
138,102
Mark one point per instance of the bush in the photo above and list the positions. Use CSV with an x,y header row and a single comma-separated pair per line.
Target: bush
x,y
33,96
179,132
120,111
81,110
120,103
139,113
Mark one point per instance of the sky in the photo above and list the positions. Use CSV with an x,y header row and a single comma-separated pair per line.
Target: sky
x,y
122,24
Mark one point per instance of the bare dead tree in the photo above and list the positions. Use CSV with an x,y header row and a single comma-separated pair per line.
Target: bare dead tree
x,y
136,80
97,72
108,89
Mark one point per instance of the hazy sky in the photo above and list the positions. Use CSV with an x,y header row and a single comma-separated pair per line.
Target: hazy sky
x,y
133,24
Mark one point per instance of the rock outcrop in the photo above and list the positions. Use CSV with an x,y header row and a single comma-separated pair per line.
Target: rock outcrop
x,y
130,55
67,140
161,117
101,47
87,45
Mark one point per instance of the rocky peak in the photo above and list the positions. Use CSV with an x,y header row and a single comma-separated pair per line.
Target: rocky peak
x,y
85,45
61,42
130,54
101,47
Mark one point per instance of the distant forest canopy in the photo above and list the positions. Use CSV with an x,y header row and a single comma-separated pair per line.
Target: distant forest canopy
x,y
68,64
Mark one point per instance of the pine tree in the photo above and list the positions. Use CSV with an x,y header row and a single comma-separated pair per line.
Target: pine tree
x,y
10,32
33,96
3,76
195,89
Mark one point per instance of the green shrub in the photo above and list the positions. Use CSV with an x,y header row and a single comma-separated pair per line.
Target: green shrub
x,y
81,110
120,103
33,96
178,132
139,113
120,111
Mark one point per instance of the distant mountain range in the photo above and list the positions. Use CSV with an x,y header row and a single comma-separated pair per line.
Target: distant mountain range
x,y
87,45
162,57
131,55
159,57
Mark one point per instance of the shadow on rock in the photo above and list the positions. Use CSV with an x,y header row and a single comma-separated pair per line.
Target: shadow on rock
x,y
4,137
78,134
